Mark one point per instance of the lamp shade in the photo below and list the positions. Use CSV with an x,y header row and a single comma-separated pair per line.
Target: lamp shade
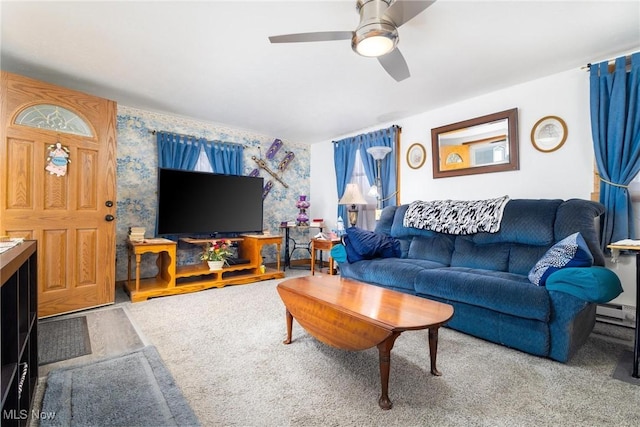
x,y
352,196
378,152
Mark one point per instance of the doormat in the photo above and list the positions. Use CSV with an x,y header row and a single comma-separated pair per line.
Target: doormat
x,y
134,389
63,339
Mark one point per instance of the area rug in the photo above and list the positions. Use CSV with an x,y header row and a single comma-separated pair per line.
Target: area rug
x,y
134,389
224,348
63,339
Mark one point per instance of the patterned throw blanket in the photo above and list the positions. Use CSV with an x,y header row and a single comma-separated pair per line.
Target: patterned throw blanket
x,y
456,216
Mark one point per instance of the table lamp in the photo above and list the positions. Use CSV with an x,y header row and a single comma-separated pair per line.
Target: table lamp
x,y
352,197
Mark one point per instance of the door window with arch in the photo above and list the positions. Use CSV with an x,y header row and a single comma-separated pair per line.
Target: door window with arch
x,y
55,118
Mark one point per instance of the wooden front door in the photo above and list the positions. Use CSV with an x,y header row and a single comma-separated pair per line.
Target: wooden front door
x,y
70,213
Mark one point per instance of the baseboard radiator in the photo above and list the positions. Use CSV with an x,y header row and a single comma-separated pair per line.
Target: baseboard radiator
x,y
617,314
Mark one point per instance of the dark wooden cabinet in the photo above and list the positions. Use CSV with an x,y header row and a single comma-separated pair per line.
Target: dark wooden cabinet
x,y
18,332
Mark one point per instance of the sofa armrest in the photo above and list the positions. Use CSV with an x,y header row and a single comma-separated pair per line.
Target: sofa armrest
x,y
593,284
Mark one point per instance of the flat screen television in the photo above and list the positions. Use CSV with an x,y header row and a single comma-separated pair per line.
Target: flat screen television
x,y
201,204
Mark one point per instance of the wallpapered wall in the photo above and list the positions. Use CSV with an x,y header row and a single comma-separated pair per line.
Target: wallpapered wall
x,y
137,162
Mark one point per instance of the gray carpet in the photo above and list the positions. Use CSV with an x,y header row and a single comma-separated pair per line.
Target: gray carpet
x,y
63,339
134,389
224,348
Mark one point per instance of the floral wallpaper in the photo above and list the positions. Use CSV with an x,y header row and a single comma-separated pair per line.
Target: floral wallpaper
x,y
137,163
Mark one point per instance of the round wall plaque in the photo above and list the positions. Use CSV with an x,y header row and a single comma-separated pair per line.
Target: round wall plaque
x,y
549,133
416,156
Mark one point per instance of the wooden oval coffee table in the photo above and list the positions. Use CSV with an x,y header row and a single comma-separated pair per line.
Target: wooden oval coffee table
x,y
352,315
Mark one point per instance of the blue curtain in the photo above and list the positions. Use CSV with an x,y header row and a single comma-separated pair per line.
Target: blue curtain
x,y
615,128
386,138
344,156
225,157
177,151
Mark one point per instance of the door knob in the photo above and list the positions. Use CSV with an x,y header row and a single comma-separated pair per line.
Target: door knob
x,y
109,218
108,203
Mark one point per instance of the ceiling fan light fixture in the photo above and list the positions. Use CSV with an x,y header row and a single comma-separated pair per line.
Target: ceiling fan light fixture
x,y
376,35
374,40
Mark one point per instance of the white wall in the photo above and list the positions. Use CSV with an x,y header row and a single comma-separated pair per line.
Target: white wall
x,y
563,174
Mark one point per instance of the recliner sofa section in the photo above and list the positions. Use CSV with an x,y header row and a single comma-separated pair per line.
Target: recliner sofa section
x,y
485,276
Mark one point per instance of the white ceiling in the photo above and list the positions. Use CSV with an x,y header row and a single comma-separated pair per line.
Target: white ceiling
x,y
211,60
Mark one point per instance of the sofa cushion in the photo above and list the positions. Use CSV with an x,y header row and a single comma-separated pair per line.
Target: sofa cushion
x,y
399,231
595,284
522,258
571,251
363,244
578,215
386,220
405,244
525,221
487,257
495,290
393,273
434,248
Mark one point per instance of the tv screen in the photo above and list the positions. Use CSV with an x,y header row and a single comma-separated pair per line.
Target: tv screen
x,y
207,204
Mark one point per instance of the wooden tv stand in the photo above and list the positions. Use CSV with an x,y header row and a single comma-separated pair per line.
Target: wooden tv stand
x,y
172,279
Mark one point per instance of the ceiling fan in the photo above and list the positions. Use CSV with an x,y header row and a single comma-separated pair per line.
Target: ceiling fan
x,y
376,34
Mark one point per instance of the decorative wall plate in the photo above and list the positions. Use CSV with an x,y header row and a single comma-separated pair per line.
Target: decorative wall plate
x,y
416,156
549,133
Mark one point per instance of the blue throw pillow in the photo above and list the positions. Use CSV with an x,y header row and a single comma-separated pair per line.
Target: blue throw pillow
x,y
339,253
571,251
363,244
352,254
594,284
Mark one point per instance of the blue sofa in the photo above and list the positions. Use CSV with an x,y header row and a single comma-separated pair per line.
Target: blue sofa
x,y
485,276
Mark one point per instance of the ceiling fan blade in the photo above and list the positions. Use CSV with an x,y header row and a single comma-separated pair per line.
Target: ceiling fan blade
x,y
395,65
401,12
322,36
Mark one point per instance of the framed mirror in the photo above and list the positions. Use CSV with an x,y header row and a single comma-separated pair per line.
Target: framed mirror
x,y
481,145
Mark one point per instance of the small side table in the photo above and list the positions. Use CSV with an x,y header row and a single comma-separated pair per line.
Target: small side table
x,y
166,251
253,243
635,249
322,245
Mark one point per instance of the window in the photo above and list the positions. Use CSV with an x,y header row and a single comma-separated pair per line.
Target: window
x,y
203,164
55,118
366,216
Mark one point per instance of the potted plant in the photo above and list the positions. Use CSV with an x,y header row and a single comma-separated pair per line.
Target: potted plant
x,y
216,254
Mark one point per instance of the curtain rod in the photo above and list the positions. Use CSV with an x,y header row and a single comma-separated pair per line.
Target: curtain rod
x,y
611,62
398,127
153,132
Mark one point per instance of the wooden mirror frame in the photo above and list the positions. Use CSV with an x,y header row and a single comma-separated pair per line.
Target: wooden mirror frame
x,y
511,116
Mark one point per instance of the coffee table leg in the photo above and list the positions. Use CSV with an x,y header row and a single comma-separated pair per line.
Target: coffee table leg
x,y
384,351
433,350
289,325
